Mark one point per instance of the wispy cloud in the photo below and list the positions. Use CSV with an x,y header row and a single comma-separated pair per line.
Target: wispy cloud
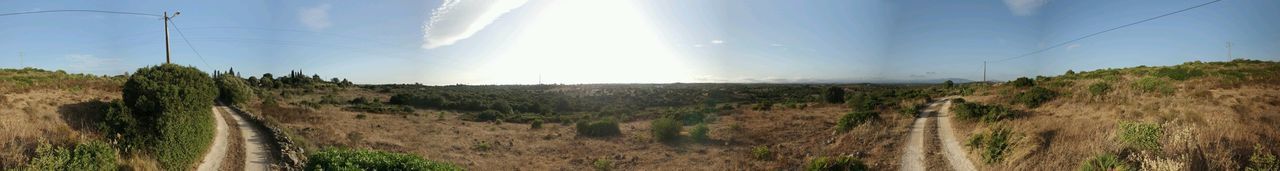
x,y
1073,46
315,18
717,41
93,64
1025,7
455,20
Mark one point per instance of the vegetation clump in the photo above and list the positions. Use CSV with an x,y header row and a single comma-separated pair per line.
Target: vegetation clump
x,y
536,124
845,163
1153,85
1100,88
992,145
1105,162
980,112
171,105
1178,73
665,129
598,128
1142,136
348,159
1262,160
761,152
700,133
232,89
864,102
1022,82
96,156
1035,96
853,119
834,95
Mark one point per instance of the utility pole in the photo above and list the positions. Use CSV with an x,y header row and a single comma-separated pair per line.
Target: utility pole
x,y
984,71
166,17
1229,51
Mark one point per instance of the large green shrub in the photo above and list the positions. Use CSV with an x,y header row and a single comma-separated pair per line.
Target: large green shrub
x,y
1178,73
665,129
1142,136
843,163
1022,82
233,90
863,102
980,112
347,159
599,128
1105,162
1153,85
173,103
1100,88
119,125
1034,97
88,156
853,119
834,94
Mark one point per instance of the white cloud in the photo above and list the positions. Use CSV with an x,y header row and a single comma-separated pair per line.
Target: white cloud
x,y
93,64
455,20
717,41
698,45
1073,46
1025,7
776,45
315,18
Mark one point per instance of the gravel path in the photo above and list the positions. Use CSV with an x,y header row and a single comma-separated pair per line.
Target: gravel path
x,y
913,157
218,150
256,148
954,153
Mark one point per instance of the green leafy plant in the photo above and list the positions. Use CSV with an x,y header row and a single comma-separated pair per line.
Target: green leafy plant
x,y
1262,160
232,89
853,119
993,145
1105,162
1022,82
834,95
97,156
349,159
1153,85
1142,136
700,133
602,164
980,112
1035,96
845,163
1100,88
173,104
665,129
536,124
761,152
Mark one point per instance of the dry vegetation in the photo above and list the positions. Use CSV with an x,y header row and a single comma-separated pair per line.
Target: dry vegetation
x,y
41,107
1209,117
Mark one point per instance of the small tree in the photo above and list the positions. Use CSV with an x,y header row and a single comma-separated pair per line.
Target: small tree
x,y
948,84
1022,82
665,129
700,133
835,95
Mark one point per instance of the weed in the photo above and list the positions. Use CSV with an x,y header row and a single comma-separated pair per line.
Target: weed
x,y
602,164
838,163
345,159
361,116
700,133
993,144
853,119
1178,73
1142,136
985,113
1105,162
536,124
1153,85
1022,82
89,156
1262,160
665,129
482,146
761,152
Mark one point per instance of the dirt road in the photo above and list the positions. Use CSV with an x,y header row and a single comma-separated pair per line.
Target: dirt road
x,y
218,150
913,157
256,148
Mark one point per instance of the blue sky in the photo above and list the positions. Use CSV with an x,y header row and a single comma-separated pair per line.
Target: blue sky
x,y
658,41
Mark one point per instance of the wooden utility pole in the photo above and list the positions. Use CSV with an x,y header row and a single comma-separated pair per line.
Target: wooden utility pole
x,y
984,71
1229,51
166,17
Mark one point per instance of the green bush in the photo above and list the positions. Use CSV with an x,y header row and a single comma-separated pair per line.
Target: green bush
x,y
992,145
700,133
853,119
1034,97
948,84
487,115
911,109
1153,85
1178,73
844,163
376,107
863,102
761,152
979,112
1022,82
665,129
1142,136
173,103
1262,160
119,125
598,128
536,124
602,164
348,159
1100,88
834,95
1105,162
88,156
233,90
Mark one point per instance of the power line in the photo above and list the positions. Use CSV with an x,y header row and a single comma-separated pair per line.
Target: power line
x,y
76,10
193,47
1103,31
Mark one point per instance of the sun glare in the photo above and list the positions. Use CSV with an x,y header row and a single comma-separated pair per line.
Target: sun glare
x,y
587,41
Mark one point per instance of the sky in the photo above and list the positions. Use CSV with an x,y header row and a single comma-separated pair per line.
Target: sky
x,y
651,41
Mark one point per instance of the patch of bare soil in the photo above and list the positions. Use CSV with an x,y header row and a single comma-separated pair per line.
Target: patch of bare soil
x,y
792,135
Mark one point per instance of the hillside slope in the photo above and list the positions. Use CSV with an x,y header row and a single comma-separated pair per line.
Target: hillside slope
x,y
1203,115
